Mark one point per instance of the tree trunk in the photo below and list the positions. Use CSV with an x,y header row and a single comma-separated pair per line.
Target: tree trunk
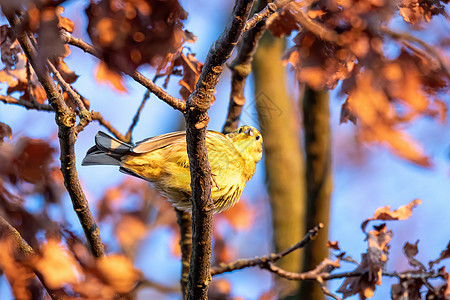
x,y
278,122
316,120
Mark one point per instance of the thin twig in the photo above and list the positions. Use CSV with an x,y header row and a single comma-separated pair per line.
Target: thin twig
x,y
316,28
25,103
270,8
45,107
83,113
264,260
429,50
98,117
399,275
323,275
137,76
8,231
327,291
145,283
136,116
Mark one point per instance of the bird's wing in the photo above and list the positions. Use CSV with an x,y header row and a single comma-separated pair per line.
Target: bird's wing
x,y
158,142
223,157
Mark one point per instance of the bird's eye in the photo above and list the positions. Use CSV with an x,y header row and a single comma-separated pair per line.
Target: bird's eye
x,y
258,137
240,130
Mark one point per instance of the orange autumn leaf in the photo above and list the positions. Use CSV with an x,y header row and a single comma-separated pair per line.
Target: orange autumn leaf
x,y
385,213
57,265
105,75
5,131
241,217
378,120
221,286
63,22
33,157
129,230
191,73
118,272
39,94
18,275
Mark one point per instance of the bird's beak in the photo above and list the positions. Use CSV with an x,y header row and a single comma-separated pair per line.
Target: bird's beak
x,y
249,131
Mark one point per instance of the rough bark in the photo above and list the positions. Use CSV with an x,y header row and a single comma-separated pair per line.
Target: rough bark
x,y
196,117
283,155
241,68
184,222
316,117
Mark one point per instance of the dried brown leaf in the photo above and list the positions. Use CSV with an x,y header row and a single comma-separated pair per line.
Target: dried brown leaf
x,y
333,245
369,102
444,255
118,272
347,114
19,276
104,74
411,250
284,23
371,265
385,213
57,265
5,131
135,33
407,289
33,157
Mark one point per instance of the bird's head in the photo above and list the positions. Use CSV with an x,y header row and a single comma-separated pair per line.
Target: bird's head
x,y
248,140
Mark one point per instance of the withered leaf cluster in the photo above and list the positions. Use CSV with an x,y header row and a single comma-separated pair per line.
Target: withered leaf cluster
x,y
344,41
45,22
369,272
414,11
131,33
66,269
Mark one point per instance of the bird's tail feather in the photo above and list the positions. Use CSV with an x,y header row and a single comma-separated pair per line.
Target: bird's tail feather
x,y
107,151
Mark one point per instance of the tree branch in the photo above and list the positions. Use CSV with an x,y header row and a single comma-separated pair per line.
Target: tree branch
x,y
137,76
99,118
325,276
8,231
136,116
65,119
196,121
26,104
429,50
184,221
270,8
83,113
265,260
318,29
240,68
45,107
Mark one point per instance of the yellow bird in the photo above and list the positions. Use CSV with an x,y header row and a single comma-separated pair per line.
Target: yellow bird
x,y
163,161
